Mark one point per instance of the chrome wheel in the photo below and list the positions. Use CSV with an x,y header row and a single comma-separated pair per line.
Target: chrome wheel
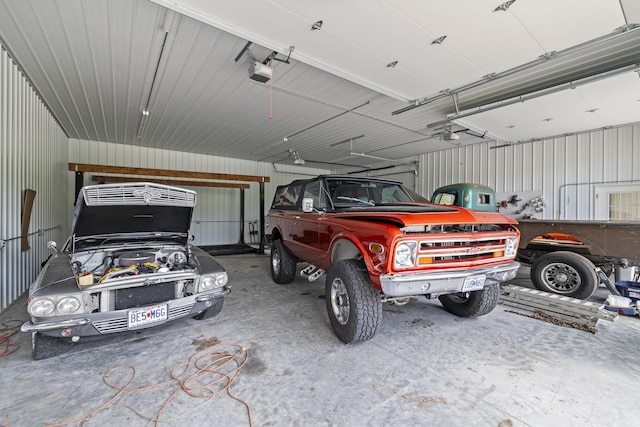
x,y
275,261
339,301
283,264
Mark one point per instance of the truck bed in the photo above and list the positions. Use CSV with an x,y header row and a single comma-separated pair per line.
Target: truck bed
x,y
599,238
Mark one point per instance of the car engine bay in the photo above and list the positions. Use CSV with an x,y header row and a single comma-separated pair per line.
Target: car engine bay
x,y
104,265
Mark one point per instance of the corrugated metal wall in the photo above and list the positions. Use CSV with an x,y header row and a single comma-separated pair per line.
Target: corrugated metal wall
x,y
33,155
216,219
564,170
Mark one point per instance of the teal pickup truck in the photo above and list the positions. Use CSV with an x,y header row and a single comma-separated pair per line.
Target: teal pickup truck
x,y
467,195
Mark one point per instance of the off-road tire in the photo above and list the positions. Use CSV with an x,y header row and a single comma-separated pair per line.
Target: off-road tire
x,y
212,311
353,304
44,346
472,304
565,273
283,264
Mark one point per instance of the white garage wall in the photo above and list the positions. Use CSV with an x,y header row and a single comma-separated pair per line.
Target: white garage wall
x,y
216,219
33,155
564,170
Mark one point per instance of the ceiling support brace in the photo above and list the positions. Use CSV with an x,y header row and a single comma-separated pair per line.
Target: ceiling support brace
x,y
495,76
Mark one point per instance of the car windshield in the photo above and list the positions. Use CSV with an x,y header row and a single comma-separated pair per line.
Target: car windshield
x,y
347,193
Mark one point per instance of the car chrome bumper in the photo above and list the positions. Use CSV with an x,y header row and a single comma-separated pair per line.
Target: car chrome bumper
x,y
45,326
442,282
116,321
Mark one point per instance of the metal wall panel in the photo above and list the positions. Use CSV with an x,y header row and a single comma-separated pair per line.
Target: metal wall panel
x,y
564,170
216,219
33,153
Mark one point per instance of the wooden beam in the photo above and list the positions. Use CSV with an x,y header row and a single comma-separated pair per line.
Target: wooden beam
x,y
104,178
122,170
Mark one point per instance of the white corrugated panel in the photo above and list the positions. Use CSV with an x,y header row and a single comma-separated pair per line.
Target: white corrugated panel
x,y
564,170
33,152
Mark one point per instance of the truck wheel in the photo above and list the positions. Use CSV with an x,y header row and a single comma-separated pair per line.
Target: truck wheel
x,y
471,304
283,264
212,311
565,273
353,304
44,346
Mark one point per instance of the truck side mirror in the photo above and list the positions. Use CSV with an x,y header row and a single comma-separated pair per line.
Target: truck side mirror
x,y
307,205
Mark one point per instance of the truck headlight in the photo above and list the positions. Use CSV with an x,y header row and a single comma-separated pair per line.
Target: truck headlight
x,y
42,307
511,247
405,255
213,281
68,305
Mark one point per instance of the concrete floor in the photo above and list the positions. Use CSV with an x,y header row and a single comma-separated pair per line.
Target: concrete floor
x,y
423,367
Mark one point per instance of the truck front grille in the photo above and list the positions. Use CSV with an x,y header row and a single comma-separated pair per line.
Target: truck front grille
x,y
430,252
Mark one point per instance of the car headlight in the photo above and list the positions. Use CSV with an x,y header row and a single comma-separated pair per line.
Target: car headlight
x,y
213,281
68,305
405,255
42,307
511,247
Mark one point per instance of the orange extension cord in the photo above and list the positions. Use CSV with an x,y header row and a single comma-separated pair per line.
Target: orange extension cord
x,y
207,374
6,332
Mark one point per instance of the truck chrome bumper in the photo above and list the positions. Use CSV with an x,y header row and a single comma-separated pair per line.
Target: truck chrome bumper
x,y
442,282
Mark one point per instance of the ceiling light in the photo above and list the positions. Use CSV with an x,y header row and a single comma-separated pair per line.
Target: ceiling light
x,y
316,25
439,40
447,135
296,156
144,122
504,6
392,64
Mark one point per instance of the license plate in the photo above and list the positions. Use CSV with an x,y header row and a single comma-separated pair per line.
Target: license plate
x,y
473,283
147,315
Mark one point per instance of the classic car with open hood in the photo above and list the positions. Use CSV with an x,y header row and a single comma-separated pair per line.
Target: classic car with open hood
x,y
128,265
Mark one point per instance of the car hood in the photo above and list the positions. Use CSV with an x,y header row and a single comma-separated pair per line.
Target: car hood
x,y
118,212
418,213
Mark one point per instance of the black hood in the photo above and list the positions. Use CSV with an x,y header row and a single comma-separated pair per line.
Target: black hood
x,y
133,210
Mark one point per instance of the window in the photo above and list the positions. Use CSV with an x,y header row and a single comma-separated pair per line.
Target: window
x,y
287,196
484,199
624,206
618,202
445,198
314,191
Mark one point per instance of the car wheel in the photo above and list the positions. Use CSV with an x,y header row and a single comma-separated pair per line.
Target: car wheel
x,y
283,264
353,304
565,273
212,311
472,304
44,346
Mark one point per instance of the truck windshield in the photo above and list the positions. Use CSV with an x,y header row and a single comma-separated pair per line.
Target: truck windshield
x,y
344,192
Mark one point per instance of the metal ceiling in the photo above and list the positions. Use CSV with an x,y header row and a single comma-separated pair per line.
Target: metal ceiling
x,y
332,98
